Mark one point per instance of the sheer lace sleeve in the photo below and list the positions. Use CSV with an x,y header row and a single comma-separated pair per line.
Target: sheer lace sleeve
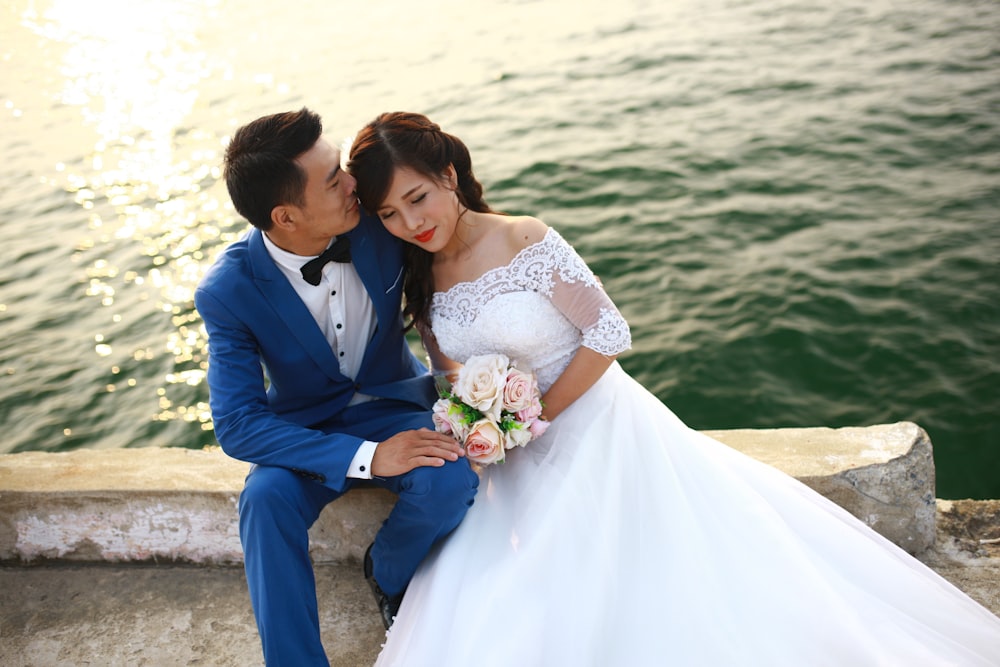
x,y
538,309
578,295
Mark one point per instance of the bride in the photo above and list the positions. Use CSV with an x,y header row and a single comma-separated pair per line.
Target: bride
x,y
620,536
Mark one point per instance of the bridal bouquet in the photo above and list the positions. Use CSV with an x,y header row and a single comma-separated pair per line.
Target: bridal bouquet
x,y
491,407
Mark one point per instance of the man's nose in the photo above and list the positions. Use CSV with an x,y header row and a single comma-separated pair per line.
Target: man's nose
x,y
350,182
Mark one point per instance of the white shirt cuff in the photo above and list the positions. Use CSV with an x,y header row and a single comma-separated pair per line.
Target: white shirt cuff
x,y
361,464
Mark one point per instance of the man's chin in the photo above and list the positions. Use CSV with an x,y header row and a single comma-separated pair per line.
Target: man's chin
x,y
351,220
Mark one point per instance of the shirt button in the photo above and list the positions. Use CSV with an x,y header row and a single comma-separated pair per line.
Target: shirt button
x,y
333,293
341,354
340,326
361,468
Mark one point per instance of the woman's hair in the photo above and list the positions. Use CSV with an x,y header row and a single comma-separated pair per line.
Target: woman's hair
x,y
260,168
411,140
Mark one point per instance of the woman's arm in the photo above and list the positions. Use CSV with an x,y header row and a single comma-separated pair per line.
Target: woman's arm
x,y
579,296
440,364
583,371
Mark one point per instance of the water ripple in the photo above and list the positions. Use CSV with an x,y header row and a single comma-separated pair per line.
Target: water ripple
x,y
795,204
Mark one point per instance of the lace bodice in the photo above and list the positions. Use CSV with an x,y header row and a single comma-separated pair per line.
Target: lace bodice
x,y
537,310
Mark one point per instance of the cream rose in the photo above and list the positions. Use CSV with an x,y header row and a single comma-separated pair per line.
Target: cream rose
x,y
484,444
480,383
518,436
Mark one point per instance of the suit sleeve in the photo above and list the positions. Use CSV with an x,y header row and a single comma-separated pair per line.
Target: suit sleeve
x,y
246,427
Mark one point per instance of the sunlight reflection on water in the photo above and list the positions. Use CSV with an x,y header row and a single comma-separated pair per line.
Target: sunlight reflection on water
x,y
133,70
137,73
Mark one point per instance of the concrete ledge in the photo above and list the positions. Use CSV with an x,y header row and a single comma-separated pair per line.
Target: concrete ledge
x,y
179,505
71,613
883,474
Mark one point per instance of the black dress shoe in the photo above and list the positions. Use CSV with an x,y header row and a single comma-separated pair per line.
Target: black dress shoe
x,y
387,605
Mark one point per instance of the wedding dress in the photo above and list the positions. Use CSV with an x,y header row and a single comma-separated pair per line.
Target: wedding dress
x,y
621,537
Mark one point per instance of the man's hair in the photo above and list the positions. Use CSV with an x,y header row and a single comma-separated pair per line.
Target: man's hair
x,y
260,168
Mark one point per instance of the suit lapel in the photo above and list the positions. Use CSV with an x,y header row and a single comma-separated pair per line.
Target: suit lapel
x,y
289,307
365,256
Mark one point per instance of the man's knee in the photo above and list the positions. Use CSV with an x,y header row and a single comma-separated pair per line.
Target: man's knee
x,y
266,485
271,491
453,484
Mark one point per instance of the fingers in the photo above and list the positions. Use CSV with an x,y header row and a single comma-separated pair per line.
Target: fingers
x,y
439,441
412,449
434,450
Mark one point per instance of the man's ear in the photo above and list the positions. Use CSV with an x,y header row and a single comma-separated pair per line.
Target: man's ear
x,y
283,217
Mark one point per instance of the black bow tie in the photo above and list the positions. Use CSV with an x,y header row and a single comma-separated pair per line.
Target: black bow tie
x,y
340,251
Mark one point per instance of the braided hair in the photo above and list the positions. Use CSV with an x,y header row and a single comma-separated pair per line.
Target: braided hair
x,y
411,140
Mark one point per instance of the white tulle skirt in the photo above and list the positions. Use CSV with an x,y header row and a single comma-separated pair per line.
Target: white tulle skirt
x,y
624,538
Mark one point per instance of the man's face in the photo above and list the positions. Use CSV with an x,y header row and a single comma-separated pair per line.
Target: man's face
x,y
330,206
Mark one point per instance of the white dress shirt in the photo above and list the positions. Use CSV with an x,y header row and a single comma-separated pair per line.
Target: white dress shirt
x,y
345,314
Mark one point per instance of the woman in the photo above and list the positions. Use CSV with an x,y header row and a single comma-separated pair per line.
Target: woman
x,y
620,536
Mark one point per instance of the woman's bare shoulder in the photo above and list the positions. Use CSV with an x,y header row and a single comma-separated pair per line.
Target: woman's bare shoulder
x,y
524,230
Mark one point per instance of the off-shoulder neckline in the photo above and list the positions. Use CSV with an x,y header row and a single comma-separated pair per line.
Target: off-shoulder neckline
x,y
468,283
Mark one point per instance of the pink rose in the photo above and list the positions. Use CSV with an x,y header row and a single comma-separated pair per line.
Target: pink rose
x,y
538,427
442,423
449,419
519,391
530,412
484,444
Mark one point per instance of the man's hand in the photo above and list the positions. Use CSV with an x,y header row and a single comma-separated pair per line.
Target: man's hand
x,y
411,449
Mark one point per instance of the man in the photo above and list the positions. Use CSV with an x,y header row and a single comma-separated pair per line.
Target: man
x,y
312,381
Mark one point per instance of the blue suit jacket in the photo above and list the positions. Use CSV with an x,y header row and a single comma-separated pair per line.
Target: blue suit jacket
x,y
257,324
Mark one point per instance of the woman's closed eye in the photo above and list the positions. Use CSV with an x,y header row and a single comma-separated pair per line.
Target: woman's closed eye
x,y
413,202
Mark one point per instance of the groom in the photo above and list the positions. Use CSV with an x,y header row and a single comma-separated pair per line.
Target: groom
x,y
312,381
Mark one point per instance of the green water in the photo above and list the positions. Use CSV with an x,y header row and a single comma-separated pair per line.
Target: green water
x,y
795,204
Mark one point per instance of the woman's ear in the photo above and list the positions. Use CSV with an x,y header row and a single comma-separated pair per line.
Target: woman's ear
x,y
451,177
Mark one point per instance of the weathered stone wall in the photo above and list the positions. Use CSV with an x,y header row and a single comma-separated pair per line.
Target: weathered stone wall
x,y
167,504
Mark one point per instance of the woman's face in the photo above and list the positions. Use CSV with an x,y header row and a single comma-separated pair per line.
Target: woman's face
x,y
421,210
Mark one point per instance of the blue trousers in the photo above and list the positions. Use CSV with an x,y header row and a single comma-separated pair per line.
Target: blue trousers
x,y
277,508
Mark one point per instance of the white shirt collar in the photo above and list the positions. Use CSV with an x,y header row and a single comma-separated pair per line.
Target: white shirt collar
x,y
288,260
